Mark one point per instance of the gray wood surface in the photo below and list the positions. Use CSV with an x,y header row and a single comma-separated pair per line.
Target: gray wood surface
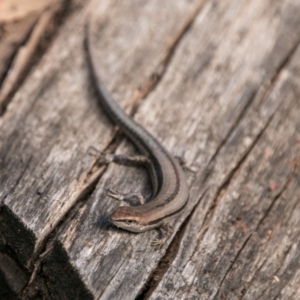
x,y
217,82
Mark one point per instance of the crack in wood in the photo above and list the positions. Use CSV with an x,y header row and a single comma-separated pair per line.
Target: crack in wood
x,y
276,272
278,196
9,62
234,126
31,51
262,264
151,83
282,262
80,193
233,173
21,175
231,266
112,276
287,183
170,254
278,71
248,284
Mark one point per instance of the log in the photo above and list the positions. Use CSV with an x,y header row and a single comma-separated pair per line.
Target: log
x,y
217,82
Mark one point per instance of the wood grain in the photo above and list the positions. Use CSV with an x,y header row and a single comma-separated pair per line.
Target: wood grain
x,y
12,36
225,98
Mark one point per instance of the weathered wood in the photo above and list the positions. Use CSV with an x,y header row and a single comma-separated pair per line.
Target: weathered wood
x,y
226,102
11,10
12,35
56,177
119,278
249,242
25,52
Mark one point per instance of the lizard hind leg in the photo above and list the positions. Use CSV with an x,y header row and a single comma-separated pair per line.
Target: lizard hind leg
x,y
133,199
135,160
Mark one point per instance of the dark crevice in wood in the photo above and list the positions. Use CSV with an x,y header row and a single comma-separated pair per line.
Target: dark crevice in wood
x,y
19,245
282,263
267,288
47,245
11,226
116,272
278,196
227,182
10,60
248,284
59,17
82,198
272,82
232,174
231,265
239,164
278,71
7,250
21,175
234,126
12,277
171,253
151,83
291,264
55,264
255,230
290,177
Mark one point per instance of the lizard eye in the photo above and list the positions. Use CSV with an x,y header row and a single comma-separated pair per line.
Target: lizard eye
x,y
129,221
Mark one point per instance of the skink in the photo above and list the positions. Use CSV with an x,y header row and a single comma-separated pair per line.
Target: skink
x,y
170,188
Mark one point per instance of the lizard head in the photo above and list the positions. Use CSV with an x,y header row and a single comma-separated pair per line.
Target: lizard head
x,y
127,218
